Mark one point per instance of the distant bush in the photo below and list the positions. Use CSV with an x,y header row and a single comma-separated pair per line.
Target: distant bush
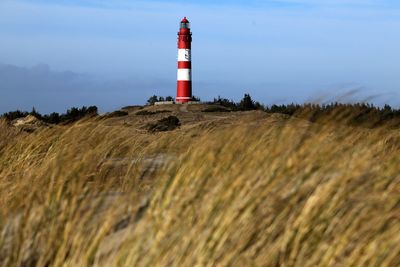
x,y
166,124
146,112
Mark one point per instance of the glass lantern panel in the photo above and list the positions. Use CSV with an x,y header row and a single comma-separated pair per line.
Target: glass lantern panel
x,y
185,25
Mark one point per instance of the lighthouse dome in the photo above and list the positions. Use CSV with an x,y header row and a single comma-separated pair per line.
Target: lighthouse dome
x,y
185,24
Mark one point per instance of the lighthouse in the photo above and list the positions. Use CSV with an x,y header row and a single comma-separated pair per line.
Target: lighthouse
x,y
184,84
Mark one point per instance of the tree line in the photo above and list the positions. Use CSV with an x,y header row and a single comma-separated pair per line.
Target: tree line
x,y
154,98
71,115
355,114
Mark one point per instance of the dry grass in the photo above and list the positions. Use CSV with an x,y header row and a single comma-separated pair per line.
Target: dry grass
x,y
263,191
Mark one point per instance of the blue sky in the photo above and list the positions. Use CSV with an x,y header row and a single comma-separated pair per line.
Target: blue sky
x,y
56,54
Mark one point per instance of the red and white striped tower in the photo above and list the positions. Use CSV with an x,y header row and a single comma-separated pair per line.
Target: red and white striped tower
x,y
184,87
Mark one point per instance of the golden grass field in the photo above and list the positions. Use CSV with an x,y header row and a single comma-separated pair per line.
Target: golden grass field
x,y
225,189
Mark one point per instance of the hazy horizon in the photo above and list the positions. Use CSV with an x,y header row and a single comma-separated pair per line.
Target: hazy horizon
x,y
110,54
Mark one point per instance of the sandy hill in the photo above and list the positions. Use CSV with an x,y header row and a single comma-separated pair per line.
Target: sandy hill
x,y
222,189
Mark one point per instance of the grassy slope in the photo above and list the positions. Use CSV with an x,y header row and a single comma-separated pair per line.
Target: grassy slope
x,y
242,189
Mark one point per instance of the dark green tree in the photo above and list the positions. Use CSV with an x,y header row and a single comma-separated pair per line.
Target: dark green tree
x,y
225,103
12,115
53,118
35,113
196,98
152,99
247,103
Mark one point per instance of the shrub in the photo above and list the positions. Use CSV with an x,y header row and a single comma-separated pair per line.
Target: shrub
x,y
115,114
166,124
216,109
146,112
132,107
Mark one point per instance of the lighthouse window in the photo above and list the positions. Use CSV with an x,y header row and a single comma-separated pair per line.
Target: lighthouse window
x,y
185,25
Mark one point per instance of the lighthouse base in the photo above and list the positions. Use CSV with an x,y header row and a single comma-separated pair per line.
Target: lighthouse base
x,y
184,92
183,99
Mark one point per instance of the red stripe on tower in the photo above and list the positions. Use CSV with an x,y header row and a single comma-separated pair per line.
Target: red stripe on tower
x,y
184,85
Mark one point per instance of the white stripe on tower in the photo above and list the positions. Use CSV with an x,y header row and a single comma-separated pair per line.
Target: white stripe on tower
x,y
184,55
184,65
184,75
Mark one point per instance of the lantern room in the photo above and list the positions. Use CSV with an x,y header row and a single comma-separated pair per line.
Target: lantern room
x,y
185,24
